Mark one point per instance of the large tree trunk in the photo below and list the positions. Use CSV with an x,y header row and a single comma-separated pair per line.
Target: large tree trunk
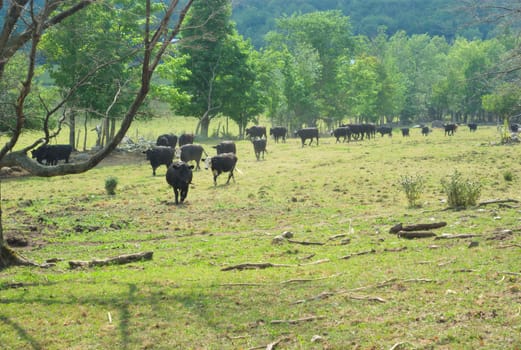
x,y
205,125
72,129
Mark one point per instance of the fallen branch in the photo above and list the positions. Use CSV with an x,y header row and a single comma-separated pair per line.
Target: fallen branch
x,y
321,296
368,298
510,273
497,201
298,320
118,260
304,243
315,262
270,346
307,257
397,345
417,227
251,266
509,246
449,236
395,249
309,279
342,235
416,234
360,253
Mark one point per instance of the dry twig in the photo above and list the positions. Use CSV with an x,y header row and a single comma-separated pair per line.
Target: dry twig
x,y
251,266
360,253
298,320
461,236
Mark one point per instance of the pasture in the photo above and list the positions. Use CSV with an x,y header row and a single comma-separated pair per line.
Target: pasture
x,y
341,282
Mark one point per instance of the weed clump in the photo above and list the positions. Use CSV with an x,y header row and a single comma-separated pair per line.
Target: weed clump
x,y
461,193
111,183
508,176
413,188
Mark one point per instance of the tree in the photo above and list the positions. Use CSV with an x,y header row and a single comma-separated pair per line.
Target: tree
x,y
25,21
504,102
205,45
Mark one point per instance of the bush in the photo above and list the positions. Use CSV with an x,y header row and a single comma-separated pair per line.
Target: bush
x,y
413,187
460,192
110,185
508,176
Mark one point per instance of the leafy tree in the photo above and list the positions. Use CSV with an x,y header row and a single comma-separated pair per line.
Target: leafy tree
x,y
505,101
31,21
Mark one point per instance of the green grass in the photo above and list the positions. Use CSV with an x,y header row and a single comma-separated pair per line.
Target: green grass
x,y
438,294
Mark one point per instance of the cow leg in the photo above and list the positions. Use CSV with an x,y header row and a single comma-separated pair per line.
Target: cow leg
x,y
176,195
184,193
230,176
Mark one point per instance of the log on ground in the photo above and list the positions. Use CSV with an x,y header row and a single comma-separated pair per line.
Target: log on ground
x,y
118,260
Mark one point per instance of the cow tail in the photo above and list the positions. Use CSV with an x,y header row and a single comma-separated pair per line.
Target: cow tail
x,y
239,171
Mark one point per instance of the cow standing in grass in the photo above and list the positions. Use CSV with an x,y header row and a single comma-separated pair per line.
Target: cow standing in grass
x,y
192,152
259,146
307,133
405,132
186,139
179,176
279,132
222,163
343,131
226,147
52,154
169,140
159,155
450,129
256,131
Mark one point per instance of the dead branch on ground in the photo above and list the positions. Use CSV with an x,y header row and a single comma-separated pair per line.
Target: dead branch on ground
x,y
304,243
360,253
118,260
497,201
449,236
416,234
298,320
417,227
251,266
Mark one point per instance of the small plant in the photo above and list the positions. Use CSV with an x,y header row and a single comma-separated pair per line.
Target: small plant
x,y
460,192
413,187
111,183
508,176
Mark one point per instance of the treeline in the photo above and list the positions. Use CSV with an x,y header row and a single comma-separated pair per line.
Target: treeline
x,y
446,18
313,70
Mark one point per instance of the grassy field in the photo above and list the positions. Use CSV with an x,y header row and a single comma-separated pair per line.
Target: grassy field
x,y
342,282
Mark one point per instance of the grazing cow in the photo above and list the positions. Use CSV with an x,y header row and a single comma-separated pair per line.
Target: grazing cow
x,y
192,152
256,131
307,133
425,130
222,163
359,131
472,127
343,131
169,140
259,146
179,176
52,154
226,147
186,139
279,132
514,127
159,155
383,130
450,129
405,132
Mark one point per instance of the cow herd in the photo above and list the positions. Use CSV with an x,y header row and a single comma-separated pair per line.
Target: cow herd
x,y
179,172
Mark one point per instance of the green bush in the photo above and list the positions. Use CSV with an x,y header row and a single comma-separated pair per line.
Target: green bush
x,y
460,192
413,188
110,185
508,176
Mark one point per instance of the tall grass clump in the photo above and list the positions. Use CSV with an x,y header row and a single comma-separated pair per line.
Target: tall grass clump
x,y
111,183
508,176
413,188
461,193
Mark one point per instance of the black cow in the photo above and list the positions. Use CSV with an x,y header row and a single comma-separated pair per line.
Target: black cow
x,y
186,139
52,154
159,155
472,127
222,163
307,133
179,176
450,129
359,131
259,146
192,152
343,131
425,130
385,130
256,131
514,127
226,147
279,132
405,132
169,140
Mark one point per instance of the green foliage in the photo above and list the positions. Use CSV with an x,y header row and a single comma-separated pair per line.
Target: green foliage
x,y
508,176
111,183
461,192
413,187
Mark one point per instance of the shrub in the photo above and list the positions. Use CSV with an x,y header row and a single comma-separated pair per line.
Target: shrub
x,y
413,187
508,176
110,185
460,192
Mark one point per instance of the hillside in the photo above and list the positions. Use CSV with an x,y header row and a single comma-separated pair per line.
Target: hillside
x,y
255,18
